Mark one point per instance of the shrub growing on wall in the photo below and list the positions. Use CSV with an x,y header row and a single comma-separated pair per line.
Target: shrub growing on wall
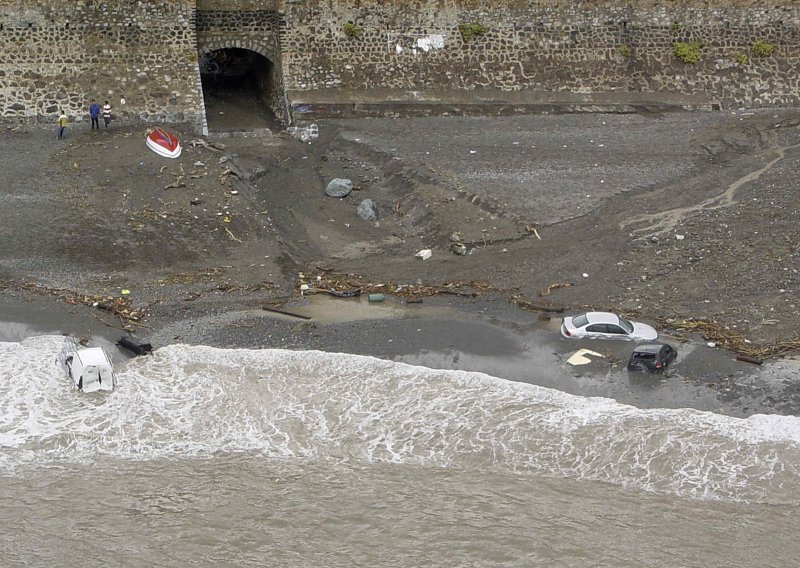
x,y
687,51
351,30
470,31
761,48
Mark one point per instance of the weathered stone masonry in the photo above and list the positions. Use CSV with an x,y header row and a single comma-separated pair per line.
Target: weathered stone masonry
x,y
583,47
59,54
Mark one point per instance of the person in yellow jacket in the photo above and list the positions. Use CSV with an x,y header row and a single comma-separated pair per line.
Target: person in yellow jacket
x,y
62,125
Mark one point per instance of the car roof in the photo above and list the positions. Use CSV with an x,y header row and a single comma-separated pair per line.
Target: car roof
x,y
93,356
648,348
602,317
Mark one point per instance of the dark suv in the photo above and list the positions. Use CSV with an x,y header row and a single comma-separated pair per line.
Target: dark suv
x,y
653,357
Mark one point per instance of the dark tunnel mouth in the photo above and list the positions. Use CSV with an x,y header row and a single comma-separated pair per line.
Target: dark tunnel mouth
x,y
238,89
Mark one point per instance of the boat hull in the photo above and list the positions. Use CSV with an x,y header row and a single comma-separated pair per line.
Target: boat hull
x,y
163,143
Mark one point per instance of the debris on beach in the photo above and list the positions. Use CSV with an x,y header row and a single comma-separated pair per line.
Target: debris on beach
x,y
747,359
581,357
458,248
304,133
216,147
121,307
134,346
284,313
328,282
555,286
424,254
457,245
722,336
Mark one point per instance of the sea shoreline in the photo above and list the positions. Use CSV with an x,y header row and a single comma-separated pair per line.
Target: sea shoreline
x,y
483,335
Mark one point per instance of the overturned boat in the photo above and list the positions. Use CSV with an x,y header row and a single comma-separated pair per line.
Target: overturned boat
x,y
163,143
90,368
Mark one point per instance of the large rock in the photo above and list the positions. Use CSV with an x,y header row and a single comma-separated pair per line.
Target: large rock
x,y
367,210
339,188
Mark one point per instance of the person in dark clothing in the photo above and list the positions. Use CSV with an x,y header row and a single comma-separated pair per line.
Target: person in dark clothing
x,y
94,113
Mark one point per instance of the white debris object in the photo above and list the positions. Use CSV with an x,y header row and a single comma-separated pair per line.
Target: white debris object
x,y
424,254
426,43
585,275
680,237
580,357
304,133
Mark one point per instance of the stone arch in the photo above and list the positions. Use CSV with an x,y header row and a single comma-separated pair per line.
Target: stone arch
x,y
271,84
233,43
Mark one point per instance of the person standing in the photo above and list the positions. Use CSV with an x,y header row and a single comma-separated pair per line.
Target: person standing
x,y
62,125
106,113
94,113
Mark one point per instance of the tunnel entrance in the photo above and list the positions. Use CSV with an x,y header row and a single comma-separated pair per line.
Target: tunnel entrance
x,y
239,89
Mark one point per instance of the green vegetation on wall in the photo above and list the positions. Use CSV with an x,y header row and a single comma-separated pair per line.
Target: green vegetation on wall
x,y
470,31
761,48
687,51
351,30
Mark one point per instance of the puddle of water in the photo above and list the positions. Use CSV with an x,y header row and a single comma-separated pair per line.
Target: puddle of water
x,y
327,309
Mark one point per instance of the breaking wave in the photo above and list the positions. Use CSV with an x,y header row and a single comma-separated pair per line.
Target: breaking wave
x,y
197,401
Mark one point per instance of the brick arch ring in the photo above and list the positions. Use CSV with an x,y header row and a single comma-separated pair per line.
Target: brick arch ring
x,y
249,45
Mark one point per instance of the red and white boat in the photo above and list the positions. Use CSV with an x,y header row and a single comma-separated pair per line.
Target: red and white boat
x,y
163,143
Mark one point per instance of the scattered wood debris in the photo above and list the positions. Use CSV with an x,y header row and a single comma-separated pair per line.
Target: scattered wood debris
x,y
120,307
412,293
555,286
206,145
733,341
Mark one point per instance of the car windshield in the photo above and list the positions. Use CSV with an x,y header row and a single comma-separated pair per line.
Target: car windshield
x,y
580,321
626,325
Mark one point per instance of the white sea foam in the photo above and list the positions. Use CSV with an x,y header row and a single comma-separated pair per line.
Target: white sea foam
x,y
186,401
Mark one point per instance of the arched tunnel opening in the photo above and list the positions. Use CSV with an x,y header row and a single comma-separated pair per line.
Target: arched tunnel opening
x,y
239,89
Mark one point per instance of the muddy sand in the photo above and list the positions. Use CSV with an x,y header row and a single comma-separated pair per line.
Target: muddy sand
x,y
684,220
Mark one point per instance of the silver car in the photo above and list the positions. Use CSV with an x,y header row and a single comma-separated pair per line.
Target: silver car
x,y
605,325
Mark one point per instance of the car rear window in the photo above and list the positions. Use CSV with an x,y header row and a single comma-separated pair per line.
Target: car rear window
x,y
580,321
645,356
626,325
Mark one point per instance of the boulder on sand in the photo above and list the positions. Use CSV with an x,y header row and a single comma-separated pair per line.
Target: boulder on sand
x,y
339,188
367,210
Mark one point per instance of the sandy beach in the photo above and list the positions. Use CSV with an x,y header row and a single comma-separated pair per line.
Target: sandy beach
x,y
671,219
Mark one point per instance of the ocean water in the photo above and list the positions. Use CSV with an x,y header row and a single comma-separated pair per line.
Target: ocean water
x,y
209,457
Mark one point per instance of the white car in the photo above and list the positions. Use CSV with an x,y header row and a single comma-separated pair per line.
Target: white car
x,y
605,325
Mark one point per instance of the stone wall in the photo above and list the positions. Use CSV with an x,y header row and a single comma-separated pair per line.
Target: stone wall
x,y
59,55
545,46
